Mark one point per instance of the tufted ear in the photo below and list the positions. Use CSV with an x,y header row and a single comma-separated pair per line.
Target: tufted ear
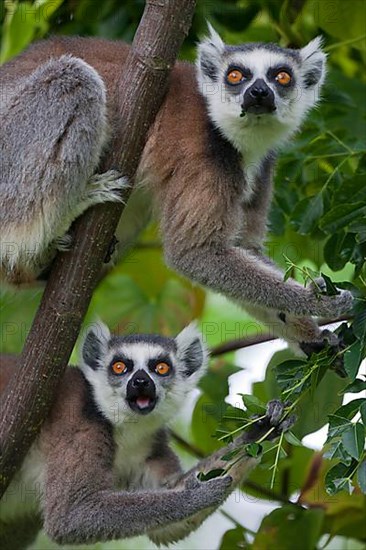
x,y
95,345
313,63
209,54
191,351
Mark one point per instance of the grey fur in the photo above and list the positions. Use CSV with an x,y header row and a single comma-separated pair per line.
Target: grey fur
x,y
53,130
103,478
209,169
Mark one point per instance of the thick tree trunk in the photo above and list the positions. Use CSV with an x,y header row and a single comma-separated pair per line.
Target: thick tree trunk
x,y
74,275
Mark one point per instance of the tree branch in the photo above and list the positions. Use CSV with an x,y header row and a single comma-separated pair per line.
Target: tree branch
x,y
74,275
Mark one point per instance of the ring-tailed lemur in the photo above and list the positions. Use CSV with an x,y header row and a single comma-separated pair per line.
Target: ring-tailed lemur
x,y
101,468
208,160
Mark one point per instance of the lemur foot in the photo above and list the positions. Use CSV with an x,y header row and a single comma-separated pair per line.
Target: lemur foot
x,y
64,243
272,424
334,344
106,187
329,306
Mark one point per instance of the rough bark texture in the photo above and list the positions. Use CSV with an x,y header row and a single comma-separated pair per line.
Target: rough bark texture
x,y
74,275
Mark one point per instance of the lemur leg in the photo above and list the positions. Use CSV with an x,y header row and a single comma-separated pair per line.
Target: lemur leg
x,y
59,112
239,468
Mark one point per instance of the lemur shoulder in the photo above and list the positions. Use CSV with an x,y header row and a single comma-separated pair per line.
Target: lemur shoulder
x,y
102,468
208,161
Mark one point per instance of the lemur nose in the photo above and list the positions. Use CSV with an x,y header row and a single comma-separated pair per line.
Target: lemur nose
x,y
259,91
140,382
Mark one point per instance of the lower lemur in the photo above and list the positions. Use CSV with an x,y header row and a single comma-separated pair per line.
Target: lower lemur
x,y
101,468
208,161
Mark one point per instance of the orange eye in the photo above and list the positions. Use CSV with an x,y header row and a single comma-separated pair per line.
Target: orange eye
x,y
119,367
283,78
162,368
235,76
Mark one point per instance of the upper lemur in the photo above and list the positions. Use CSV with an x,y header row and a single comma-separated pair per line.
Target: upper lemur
x,y
101,468
208,161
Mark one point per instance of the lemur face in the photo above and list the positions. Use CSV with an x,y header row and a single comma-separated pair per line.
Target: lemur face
x,y
141,375
257,83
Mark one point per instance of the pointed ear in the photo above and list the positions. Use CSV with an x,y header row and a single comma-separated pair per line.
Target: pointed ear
x,y
191,351
95,345
313,63
210,51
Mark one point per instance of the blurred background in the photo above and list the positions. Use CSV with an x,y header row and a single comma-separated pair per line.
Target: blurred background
x,y
318,220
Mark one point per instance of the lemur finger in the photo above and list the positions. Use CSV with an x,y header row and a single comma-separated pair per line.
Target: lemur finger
x,y
286,424
64,243
275,410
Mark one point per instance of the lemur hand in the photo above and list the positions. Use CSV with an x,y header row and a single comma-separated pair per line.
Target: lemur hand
x,y
329,306
273,423
212,492
334,344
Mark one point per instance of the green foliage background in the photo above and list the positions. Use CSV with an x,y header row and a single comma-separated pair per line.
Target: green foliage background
x,y
318,220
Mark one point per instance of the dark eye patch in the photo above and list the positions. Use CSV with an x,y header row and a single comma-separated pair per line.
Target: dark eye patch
x,y
273,72
119,357
247,75
161,358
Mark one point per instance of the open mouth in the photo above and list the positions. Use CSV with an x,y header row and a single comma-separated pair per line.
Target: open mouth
x,y
143,404
260,109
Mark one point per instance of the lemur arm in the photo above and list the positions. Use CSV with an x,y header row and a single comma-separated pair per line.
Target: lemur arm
x,y
82,506
199,223
238,467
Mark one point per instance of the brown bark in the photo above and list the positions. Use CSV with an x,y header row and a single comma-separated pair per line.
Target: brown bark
x,y
74,275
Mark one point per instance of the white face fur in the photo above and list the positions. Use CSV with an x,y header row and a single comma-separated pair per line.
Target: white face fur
x,y
142,378
255,133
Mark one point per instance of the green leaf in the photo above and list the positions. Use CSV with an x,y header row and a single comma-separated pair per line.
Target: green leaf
x,y
232,454
338,20
336,478
313,410
292,439
341,216
359,323
217,472
205,421
215,383
337,451
356,386
361,476
22,21
353,440
333,251
306,215
253,449
363,412
234,539
331,289
352,360
285,527
337,425
349,410
253,404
